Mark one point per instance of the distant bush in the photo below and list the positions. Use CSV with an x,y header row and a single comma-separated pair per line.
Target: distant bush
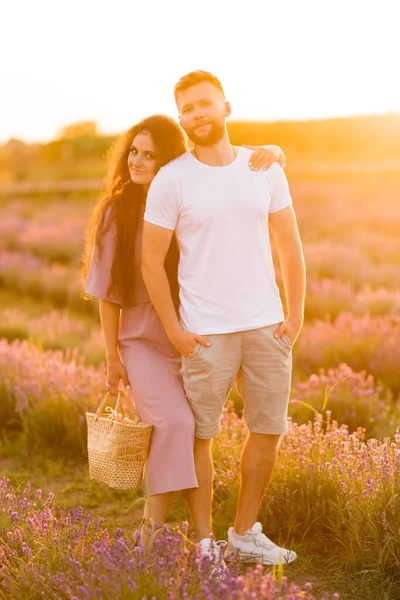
x,y
329,259
364,343
49,393
351,398
327,298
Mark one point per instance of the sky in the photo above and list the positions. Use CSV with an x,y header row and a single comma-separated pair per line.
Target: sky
x,y
117,62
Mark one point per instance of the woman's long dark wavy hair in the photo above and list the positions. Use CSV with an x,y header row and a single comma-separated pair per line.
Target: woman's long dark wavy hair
x,y
120,203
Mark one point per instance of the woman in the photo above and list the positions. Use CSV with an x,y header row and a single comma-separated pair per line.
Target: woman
x,y
138,351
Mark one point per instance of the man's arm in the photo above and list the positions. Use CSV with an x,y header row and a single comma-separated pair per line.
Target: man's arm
x,y
284,228
156,242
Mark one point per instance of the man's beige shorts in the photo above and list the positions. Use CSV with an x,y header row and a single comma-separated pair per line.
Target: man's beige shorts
x,y
261,366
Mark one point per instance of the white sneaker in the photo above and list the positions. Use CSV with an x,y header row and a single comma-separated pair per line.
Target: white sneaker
x,y
255,547
209,549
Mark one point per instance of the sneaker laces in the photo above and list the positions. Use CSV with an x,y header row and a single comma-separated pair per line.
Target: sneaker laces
x,y
260,539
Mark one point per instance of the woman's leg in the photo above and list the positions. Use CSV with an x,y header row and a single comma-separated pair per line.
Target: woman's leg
x,y
154,516
157,507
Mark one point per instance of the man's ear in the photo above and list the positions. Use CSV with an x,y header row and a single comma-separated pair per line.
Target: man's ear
x,y
228,110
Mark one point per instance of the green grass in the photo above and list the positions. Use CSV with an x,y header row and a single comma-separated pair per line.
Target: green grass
x,y
70,483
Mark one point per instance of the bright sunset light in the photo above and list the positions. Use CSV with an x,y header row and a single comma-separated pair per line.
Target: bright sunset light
x,y
115,63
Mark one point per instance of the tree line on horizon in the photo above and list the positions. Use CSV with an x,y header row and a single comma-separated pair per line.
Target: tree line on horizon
x,y
79,151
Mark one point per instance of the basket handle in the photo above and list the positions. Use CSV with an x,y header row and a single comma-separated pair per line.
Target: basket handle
x,y
118,405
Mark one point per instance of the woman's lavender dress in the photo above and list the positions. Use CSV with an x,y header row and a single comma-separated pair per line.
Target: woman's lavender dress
x,y
152,365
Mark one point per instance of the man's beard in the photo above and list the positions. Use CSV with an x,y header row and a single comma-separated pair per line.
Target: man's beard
x,y
215,134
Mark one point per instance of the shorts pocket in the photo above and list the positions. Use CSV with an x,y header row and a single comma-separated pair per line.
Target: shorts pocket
x,y
285,341
288,340
195,352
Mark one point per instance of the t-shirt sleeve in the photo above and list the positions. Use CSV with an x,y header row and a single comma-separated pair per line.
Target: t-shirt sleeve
x,y
280,196
99,275
162,202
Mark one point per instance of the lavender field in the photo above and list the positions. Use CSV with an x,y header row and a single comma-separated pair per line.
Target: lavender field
x,y
335,493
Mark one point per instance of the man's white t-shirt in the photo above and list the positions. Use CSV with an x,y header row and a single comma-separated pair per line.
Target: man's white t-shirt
x,y
220,217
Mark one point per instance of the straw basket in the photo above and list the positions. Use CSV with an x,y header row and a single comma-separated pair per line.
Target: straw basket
x,y
118,446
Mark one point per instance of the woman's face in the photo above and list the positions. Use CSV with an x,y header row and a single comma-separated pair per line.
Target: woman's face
x,y
142,159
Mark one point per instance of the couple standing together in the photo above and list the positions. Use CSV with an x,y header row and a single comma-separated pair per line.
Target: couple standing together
x,y
196,242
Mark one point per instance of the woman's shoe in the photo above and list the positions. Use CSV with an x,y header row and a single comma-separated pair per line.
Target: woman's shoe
x,y
211,551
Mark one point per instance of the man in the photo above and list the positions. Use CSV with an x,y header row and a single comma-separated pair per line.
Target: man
x,y
231,325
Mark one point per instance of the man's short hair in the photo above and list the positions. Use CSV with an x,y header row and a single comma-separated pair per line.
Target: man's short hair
x,y
195,77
